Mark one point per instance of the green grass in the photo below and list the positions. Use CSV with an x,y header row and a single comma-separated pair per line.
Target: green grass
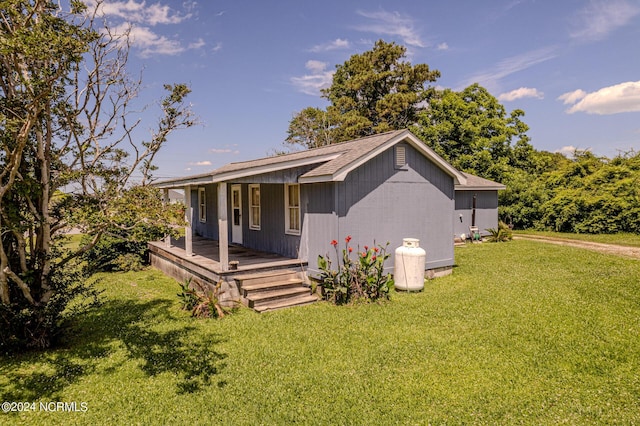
x,y
521,333
622,238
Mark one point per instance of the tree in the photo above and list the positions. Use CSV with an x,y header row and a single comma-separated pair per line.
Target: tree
x,y
591,194
473,131
310,128
372,92
67,157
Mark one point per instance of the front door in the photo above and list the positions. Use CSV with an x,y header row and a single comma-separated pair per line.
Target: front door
x,y
236,214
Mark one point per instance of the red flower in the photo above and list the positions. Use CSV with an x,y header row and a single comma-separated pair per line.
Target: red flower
x,y
364,254
334,243
373,258
348,238
366,248
350,249
375,249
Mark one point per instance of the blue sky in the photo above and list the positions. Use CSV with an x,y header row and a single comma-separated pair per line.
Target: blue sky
x,y
572,66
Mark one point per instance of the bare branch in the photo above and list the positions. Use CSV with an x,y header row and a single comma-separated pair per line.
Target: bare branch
x,y
21,284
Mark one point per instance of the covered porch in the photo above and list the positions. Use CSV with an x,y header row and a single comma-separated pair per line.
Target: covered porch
x,y
203,266
205,255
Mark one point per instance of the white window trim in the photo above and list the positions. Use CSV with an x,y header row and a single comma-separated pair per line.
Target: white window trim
x,y
251,207
202,205
287,226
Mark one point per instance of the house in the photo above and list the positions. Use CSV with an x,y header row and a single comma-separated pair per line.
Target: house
x,y
476,205
176,197
376,189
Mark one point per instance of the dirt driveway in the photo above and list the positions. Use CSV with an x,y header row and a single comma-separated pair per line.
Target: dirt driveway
x,y
631,252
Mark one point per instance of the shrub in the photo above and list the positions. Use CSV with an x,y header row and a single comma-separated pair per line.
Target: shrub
x,y
25,326
122,250
501,234
202,301
362,279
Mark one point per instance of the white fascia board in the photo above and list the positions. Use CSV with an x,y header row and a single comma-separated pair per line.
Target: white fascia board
x,y
480,188
341,175
236,174
316,179
182,182
409,137
268,168
458,177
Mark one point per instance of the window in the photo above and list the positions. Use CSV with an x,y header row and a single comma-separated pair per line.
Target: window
x,y
202,205
292,208
254,207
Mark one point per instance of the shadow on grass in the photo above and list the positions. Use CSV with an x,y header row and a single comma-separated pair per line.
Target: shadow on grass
x,y
144,329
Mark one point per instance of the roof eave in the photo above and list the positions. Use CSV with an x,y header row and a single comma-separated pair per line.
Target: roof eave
x,y
480,188
214,177
182,182
253,171
458,177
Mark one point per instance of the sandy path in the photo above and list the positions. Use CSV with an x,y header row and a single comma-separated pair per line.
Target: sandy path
x,y
632,252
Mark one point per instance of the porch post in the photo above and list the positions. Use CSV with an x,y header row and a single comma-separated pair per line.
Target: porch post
x,y
165,201
223,227
188,240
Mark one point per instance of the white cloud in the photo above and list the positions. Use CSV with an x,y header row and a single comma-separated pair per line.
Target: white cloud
x,y
442,46
200,163
570,150
332,45
523,92
511,65
224,151
139,12
572,97
137,18
149,42
601,17
311,84
217,47
623,97
196,44
315,66
391,24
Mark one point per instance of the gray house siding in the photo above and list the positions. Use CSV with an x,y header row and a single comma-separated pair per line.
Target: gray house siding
x,y
378,202
486,211
271,236
320,223
208,229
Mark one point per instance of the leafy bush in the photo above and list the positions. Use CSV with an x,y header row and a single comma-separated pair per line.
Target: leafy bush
x,y
362,279
23,325
121,250
500,234
202,301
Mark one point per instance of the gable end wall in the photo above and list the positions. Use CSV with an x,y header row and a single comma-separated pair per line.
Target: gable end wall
x,y
378,202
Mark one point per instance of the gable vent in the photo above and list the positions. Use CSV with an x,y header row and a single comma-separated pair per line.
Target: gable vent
x,y
401,159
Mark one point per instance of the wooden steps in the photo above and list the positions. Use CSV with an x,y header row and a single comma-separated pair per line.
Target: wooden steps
x,y
272,290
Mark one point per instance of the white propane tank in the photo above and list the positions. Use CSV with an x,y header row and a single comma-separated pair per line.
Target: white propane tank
x,y
409,266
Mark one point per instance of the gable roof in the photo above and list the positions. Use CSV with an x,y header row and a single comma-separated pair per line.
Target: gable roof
x,y
476,183
334,162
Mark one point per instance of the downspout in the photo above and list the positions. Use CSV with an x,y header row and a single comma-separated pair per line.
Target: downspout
x,y
473,211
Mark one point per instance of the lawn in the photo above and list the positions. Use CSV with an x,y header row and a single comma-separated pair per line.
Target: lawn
x,y
521,333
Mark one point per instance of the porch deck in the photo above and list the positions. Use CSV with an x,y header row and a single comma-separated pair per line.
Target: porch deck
x,y
287,277
206,257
